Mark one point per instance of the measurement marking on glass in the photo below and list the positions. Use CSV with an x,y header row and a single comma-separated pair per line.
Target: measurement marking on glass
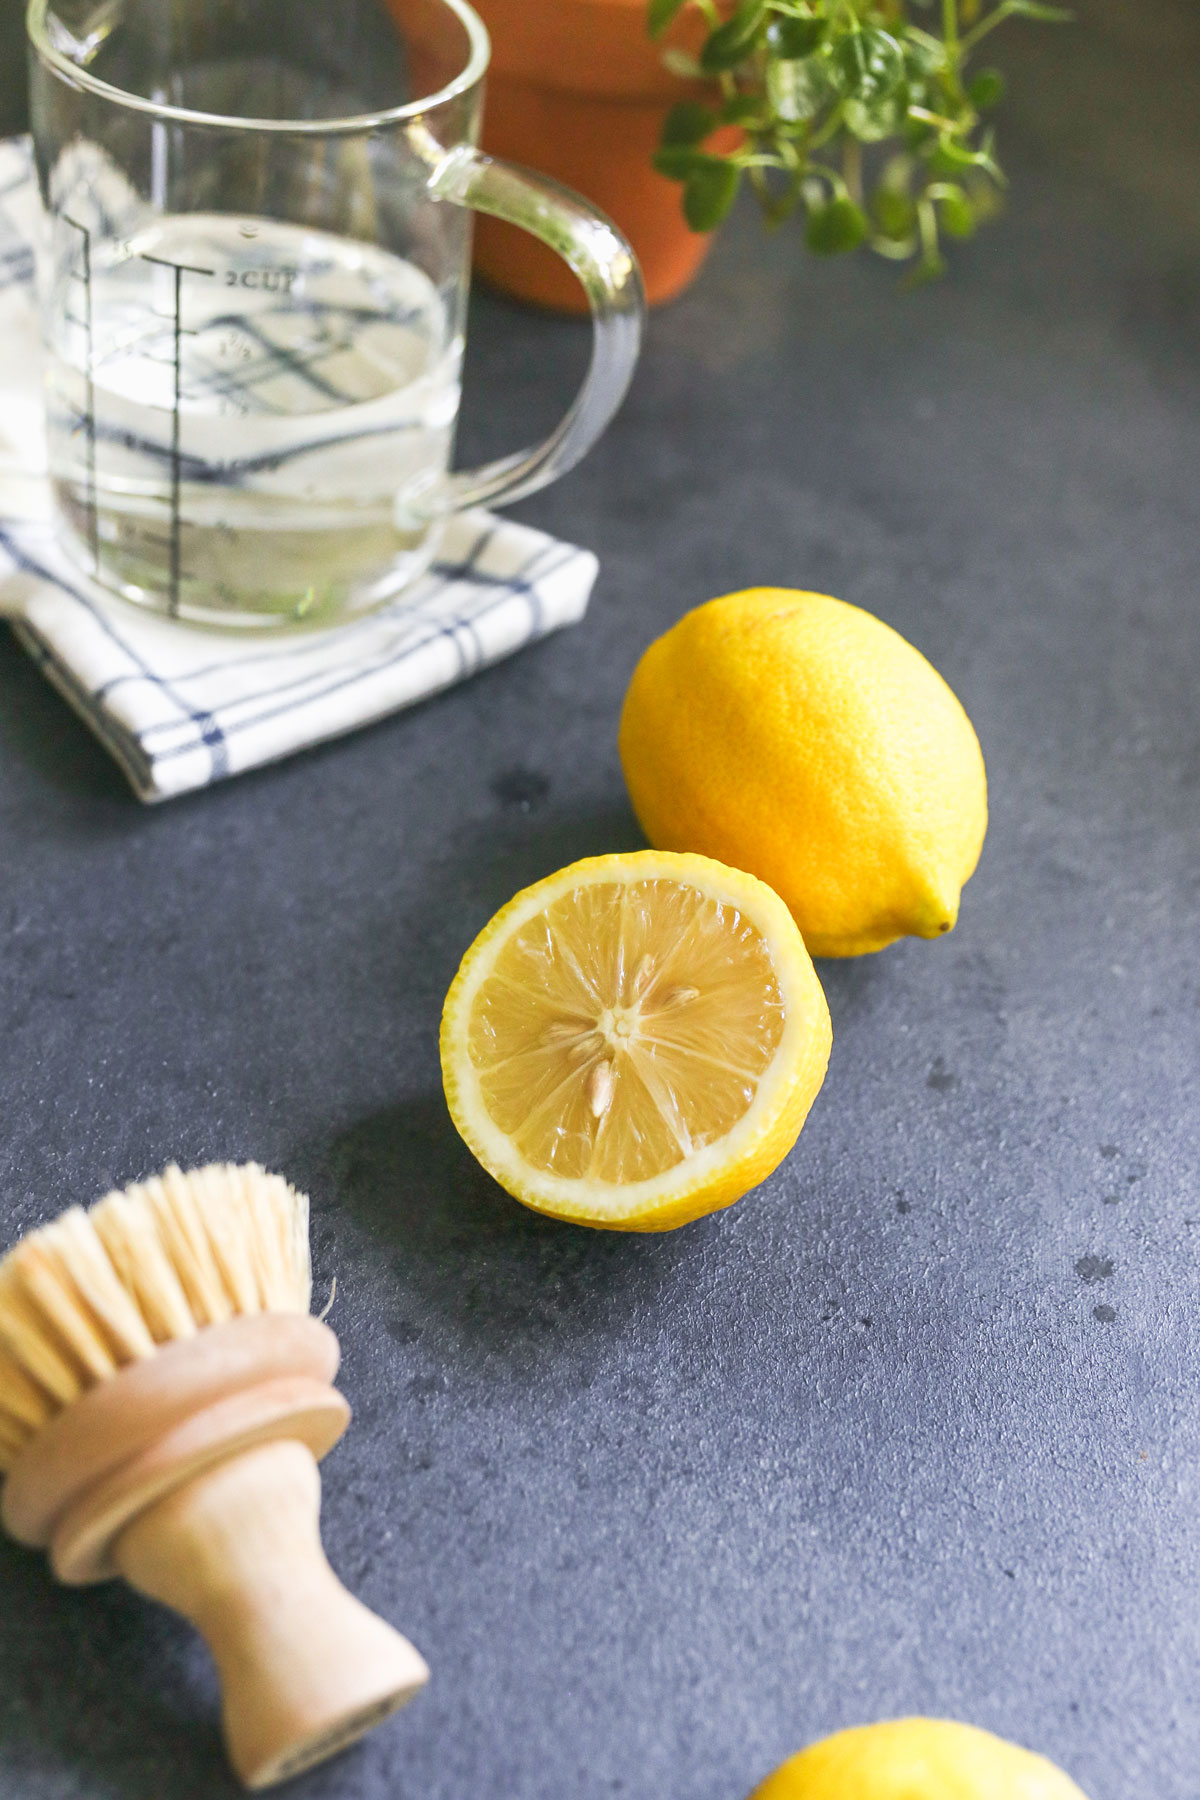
x,y
93,510
178,335
255,414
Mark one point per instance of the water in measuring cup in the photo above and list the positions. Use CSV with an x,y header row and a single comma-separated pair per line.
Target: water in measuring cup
x,y
242,414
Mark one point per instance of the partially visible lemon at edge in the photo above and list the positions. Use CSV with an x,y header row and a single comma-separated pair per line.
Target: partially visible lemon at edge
x,y
917,1759
635,1041
802,739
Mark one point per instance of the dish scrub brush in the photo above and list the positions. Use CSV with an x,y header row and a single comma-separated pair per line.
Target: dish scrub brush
x,y
165,1398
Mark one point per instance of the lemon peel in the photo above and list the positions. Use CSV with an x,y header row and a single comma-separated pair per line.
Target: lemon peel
x,y
802,739
917,1759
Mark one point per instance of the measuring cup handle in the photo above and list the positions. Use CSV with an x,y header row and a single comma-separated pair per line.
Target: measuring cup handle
x,y
604,262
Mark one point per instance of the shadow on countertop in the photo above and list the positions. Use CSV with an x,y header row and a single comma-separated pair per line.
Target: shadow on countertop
x,y
38,729
109,1689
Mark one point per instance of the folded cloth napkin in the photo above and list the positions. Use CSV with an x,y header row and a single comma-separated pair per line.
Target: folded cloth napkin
x,y
179,708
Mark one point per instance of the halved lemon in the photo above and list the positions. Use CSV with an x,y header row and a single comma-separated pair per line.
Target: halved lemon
x,y
635,1041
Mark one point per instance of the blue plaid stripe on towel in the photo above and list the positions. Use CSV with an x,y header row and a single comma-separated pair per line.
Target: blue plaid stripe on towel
x,y
178,708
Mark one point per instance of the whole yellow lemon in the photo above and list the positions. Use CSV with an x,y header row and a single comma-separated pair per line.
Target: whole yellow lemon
x,y
805,741
917,1759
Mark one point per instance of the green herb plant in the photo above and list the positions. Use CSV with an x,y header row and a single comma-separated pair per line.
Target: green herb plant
x,y
853,110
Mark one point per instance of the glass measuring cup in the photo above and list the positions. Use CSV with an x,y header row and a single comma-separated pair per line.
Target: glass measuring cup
x,y
253,285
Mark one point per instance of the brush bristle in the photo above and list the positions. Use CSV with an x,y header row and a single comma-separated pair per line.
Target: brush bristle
x,y
82,1297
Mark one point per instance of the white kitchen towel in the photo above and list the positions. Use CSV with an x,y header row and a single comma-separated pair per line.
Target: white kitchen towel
x,y
179,708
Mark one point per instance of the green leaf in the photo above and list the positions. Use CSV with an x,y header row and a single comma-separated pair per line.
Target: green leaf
x,y
950,156
894,213
956,215
837,226
987,89
732,42
918,135
798,90
790,39
742,109
679,161
931,267
897,173
923,53
662,12
709,193
688,123
872,121
986,199
871,65
681,63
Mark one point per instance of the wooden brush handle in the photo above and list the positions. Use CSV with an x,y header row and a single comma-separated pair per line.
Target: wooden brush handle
x,y
305,1668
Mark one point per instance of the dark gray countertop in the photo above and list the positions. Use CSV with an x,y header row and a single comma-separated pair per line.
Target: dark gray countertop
x,y
916,1426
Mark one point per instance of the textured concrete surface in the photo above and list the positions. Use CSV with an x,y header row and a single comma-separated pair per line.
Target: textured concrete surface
x,y
914,1427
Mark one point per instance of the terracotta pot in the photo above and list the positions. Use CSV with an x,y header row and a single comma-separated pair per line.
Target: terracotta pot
x,y
577,90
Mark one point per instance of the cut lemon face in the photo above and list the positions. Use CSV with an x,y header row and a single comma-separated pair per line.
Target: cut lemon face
x,y
635,1041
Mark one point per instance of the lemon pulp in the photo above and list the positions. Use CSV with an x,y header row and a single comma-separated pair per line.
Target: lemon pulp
x,y
625,1028
638,1035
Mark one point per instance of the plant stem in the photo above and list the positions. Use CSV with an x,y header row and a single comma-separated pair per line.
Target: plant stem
x,y
757,159
950,29
954,53
931,118
852,168
829,129
1002,12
